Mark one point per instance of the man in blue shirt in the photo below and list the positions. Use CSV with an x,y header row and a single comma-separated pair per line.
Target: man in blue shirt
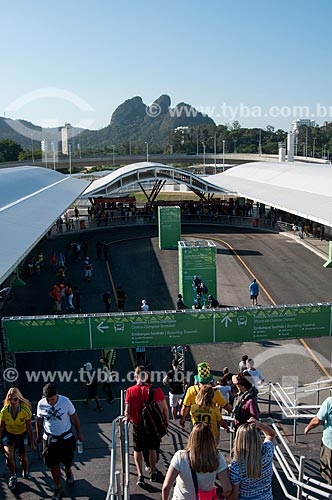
x,y
254,291
324,416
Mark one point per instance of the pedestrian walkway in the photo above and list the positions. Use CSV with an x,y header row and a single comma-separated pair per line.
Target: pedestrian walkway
x,y
315,245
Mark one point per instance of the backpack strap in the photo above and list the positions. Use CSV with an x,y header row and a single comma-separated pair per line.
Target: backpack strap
x,y
151,394
194,477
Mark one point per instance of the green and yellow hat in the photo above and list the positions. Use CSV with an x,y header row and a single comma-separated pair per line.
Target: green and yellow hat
x,y
204,373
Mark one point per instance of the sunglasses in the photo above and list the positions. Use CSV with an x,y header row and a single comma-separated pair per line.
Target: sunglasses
x,y
12,399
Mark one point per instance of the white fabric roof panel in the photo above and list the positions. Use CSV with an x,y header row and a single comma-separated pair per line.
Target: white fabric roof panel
x,y
32,199
304,189
145,171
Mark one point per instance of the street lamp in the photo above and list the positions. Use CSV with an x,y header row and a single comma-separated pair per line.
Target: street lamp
x,y
147,151
203,156
32,153
235,141
69,152
313,149
215,153
53,151
113,155
223,155
171,148
44,148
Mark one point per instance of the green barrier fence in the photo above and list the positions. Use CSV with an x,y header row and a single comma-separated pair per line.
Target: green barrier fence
x,y
50,333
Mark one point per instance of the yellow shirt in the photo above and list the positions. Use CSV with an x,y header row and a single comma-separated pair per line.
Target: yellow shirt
x,y
209,415
17,425
193,390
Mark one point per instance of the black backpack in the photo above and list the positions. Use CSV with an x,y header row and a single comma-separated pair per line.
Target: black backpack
x,y
152,418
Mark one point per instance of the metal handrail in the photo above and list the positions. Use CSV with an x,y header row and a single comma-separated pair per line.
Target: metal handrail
x,y
304,483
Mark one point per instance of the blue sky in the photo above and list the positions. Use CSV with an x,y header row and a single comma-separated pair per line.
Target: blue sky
x,y
251,61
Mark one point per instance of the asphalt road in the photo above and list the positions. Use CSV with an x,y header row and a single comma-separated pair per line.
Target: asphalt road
x,y
286,270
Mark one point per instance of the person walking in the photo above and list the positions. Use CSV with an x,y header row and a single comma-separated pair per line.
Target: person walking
x,y
245,404
175,379
135,397
55,416
121,296
254,292
15,431
88,269
251,469
144,306
99,247
179,303
213,303
107,378
256,375
203,377
205,410
92,386
107,300
197,467
324,417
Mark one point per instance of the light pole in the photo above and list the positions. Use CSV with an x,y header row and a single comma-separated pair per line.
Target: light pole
x,y
223,155
171,148
306,142
147,151
129,146
197,147
313,149
260,143
203,157
53,151
235,141
32,153
215,153
44,146
113,155
69,151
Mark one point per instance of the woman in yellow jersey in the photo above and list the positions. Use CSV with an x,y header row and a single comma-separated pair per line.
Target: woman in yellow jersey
x,y
204,410
15,429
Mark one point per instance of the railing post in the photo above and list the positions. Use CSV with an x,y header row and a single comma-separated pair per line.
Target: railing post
x,y
122,402
300,477
270,396
126,492
295,421
118,486
318,392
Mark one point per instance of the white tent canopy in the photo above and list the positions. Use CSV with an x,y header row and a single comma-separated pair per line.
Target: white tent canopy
x,y
303,189
31,200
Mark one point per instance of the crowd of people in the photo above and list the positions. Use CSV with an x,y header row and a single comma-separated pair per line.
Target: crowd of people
x,y
195,468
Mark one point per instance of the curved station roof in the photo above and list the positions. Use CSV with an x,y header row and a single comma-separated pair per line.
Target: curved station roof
x,y
138,173
32,198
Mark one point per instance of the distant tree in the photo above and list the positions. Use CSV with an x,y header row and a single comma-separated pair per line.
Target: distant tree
x,y
269,128
9,150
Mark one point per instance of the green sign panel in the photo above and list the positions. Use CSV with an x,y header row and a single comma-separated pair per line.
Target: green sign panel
x,y
152,330
31,334
196,258
169,226
272,323
47,334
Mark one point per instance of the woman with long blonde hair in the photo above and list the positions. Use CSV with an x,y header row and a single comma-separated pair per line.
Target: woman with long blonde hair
x,y
251,469
15,429
201,459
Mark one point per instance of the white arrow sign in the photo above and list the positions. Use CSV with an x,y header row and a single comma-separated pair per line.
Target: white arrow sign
x,y
226,320
101,328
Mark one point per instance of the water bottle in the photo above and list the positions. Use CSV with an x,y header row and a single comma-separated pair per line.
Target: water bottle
x,y
79,447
